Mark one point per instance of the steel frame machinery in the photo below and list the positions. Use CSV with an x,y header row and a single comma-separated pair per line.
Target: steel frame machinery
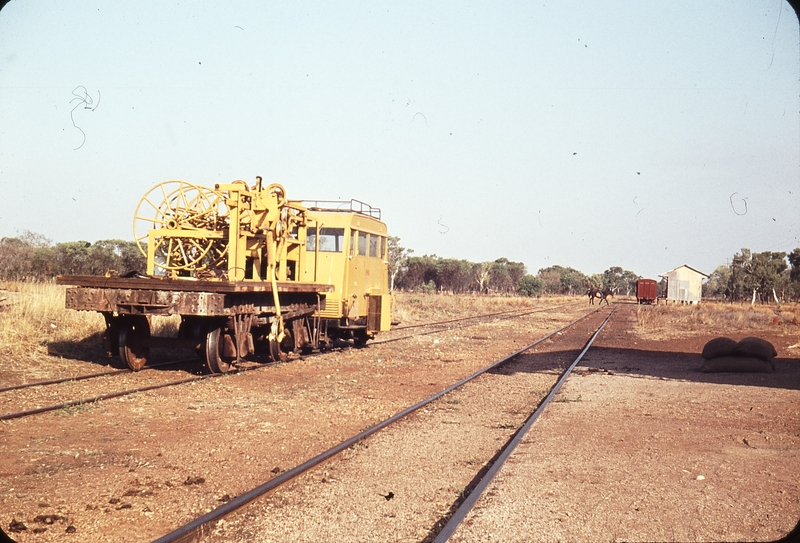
x,y
248,271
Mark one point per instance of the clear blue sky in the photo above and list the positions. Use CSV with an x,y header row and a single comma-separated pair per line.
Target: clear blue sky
x,y
587,134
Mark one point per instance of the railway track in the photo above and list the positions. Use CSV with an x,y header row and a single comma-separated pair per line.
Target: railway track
x,y
203,525
52,401
83,377
442,326
504,454
482,316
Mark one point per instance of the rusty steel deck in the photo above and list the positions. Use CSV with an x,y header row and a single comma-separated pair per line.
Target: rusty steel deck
x,y
157,296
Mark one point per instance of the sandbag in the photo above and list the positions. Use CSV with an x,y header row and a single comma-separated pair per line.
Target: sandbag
x,y
756,347
721,346
737,364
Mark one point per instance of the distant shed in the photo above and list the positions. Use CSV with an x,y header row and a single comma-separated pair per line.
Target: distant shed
x,y
684,284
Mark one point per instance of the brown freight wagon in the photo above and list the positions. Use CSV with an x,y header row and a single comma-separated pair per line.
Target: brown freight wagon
x,y
646,291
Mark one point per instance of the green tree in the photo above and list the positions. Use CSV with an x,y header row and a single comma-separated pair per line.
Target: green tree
x,y
619,280
739,280
504,275
717,283
398,260
420,270
560,280
454,275
766,272
530,285
73,258
756,274
794,274
29,256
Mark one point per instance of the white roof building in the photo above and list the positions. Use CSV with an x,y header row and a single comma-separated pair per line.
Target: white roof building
x,y
684,284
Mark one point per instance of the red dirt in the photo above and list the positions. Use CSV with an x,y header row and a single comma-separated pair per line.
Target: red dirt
x,y
618,458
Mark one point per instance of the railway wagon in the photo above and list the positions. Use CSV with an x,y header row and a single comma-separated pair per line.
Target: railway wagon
x,y
248,271
646,291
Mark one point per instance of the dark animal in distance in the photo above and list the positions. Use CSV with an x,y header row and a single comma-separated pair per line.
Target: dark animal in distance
x,y
602,294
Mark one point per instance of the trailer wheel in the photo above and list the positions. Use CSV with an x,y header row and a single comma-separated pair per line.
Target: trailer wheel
x,y
360,338
276,352
217,362
134,336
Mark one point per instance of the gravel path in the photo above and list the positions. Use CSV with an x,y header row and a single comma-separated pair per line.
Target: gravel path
x,y
653,450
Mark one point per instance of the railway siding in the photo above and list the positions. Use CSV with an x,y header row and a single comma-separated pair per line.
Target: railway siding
x,y
233,432
653,450
400,483
633,431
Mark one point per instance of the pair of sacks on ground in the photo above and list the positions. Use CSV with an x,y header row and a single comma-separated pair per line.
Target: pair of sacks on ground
x,y
752,354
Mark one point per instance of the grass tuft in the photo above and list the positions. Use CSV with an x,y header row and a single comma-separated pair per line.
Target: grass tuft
x,y
34,324
673,320
412,308
36,318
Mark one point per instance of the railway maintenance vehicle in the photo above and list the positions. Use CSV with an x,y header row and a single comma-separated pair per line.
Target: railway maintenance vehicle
x,y
249,271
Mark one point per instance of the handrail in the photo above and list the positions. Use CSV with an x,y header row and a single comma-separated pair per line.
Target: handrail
x,y
343,206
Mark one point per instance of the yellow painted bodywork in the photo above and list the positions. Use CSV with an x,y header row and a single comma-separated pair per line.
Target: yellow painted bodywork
x,y
350,253
236,233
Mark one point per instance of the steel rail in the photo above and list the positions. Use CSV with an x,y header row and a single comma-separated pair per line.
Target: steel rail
x,y
74,403
469,501
454,320
203,525
174,362
445,329
473,317
89,376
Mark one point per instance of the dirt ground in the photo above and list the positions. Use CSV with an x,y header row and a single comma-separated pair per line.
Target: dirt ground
x,y
640,445
651,449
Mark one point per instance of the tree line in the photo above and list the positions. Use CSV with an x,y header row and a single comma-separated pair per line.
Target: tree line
x,y
431,273
33,257
765,276
762,276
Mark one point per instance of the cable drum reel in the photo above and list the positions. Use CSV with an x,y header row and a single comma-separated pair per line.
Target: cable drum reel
x,y
185,224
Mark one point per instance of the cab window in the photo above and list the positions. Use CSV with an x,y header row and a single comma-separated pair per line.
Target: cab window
x,y
362,243
373,245
331,240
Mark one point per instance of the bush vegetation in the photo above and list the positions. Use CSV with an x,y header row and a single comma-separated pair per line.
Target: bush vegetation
x,y
724,318
34,257
770,275
763,276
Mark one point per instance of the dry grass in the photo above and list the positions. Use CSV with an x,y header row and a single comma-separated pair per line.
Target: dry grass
x,y
672,320
35,325
35,319
416,308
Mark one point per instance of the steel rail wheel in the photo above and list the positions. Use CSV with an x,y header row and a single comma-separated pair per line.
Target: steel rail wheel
x,y
214,352
360,338
279,349
134,336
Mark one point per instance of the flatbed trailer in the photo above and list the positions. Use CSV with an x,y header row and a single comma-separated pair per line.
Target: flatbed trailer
x,y
224,321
